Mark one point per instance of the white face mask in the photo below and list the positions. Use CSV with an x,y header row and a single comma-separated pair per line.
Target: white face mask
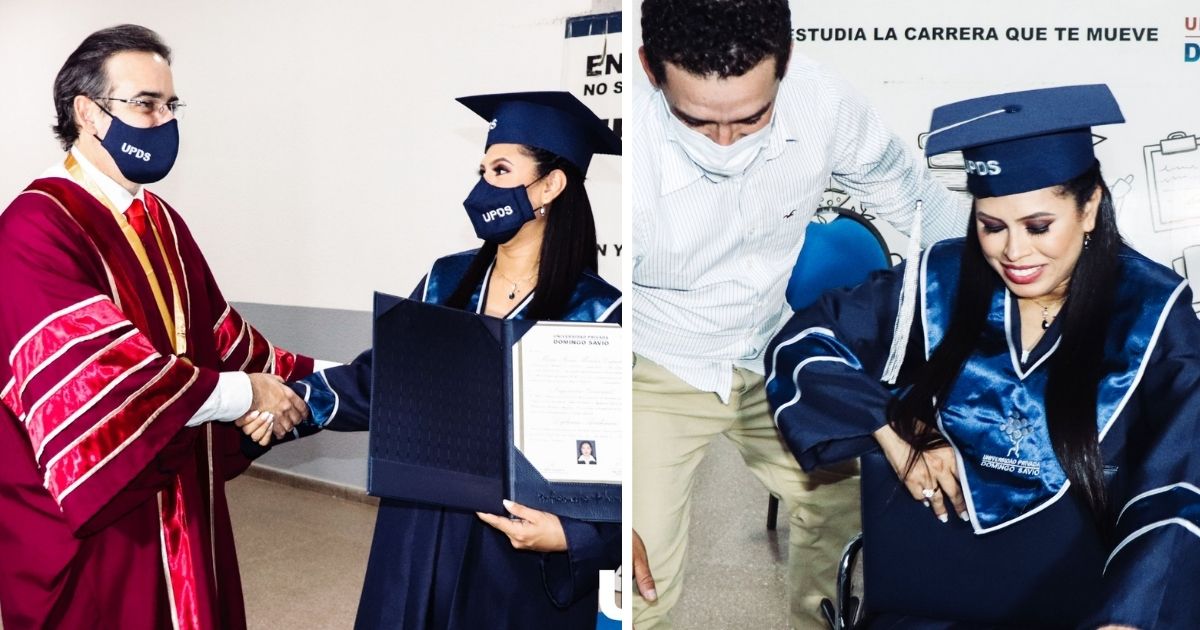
x,y
715,159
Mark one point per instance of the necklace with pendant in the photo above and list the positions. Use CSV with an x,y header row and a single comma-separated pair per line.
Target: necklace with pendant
x,y
515,290
1046,316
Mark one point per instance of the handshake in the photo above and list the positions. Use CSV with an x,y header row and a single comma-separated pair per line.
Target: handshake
x,y
275,409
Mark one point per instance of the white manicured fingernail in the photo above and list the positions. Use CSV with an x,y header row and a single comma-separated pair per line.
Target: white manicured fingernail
x,y
964,516
507,504
253,415
926,502
944,518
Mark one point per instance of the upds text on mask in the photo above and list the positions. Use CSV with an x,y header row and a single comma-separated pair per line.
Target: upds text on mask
x,y
498,212
129,149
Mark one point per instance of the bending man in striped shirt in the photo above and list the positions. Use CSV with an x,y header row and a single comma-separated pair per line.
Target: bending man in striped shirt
x,y
735,146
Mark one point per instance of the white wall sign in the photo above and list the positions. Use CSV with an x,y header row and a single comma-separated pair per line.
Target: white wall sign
x,y
592,71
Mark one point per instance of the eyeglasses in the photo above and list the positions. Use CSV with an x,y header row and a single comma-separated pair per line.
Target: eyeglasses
x,y
149,105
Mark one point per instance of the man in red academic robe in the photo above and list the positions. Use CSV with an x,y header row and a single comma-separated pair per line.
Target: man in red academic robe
x,y
123,372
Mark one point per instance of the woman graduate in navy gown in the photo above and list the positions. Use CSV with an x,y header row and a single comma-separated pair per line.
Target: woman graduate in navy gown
x,y
1035,373
432,567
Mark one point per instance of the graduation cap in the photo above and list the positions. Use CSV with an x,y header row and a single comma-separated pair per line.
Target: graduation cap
x,y
1022,141
554,121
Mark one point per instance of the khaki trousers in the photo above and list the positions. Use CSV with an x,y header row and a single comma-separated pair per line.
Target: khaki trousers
x,y
673,425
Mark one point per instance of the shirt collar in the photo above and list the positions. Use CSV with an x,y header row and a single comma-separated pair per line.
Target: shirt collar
x,y
783,130
115,192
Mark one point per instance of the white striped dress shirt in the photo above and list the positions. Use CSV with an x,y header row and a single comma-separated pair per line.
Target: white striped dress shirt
x,y
713,255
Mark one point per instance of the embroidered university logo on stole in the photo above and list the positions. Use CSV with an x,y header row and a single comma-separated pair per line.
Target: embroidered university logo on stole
x,y
1017,430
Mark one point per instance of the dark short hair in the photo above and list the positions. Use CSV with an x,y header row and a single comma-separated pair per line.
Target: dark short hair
x,y
722,37
83,73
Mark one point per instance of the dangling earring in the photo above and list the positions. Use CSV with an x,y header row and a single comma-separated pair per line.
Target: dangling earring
x,y
1087,239
542,211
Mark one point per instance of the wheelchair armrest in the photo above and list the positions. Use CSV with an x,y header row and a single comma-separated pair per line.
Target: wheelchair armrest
x,y
847,612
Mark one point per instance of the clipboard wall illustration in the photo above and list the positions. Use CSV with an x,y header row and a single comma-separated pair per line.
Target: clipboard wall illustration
x,y
948,169
468,410
1173,180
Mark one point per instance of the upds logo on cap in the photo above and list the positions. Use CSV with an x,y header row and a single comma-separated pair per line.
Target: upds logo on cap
x,y
990,167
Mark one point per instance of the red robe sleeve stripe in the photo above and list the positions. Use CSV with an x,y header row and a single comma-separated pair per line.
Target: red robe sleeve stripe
x,y
78,392
105,353
239,354
72,466
252,342
254,353
221,321
53,338
70,346
59,328
229,333
8,395
272,359
284,364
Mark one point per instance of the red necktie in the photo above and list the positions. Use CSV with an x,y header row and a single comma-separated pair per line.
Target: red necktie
x,y
136,215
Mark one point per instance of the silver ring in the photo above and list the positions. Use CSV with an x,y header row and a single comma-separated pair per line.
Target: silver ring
x,y
927,493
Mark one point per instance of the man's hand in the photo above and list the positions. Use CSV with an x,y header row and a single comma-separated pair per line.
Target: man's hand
x,y
535,531
276,405
641,570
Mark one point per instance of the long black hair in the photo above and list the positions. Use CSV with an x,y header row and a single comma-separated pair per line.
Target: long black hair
x,y
568,245
1075,367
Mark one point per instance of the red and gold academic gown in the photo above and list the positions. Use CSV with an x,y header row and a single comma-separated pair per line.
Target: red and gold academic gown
x,y
112,510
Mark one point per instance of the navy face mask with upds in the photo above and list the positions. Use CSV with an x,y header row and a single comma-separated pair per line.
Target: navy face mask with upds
x,y
143,155
497,214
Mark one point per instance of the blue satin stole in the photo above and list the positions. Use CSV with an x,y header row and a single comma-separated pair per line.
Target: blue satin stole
x,y
995,416
593,299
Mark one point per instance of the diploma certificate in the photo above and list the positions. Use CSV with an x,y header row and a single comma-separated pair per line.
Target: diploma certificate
x,y
567,383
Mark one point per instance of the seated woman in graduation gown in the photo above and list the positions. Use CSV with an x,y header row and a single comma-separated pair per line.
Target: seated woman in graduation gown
x,y
1037,371
431,567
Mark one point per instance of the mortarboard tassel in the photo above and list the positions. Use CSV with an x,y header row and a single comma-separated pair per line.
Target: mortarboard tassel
x,y
908,300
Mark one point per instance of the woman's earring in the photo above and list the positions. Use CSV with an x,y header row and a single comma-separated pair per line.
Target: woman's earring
x,y
1087,239
542,211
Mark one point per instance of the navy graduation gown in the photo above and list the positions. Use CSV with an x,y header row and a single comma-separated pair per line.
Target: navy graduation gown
x,y
432,567
823,384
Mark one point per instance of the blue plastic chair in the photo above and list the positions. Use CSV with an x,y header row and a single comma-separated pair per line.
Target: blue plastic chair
x,y
838,253
603,622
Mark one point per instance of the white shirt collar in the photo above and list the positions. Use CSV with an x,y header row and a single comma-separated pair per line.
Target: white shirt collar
x,y
115,192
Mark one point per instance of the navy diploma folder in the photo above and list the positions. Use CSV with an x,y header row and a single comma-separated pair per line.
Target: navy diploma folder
x,y
442,417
